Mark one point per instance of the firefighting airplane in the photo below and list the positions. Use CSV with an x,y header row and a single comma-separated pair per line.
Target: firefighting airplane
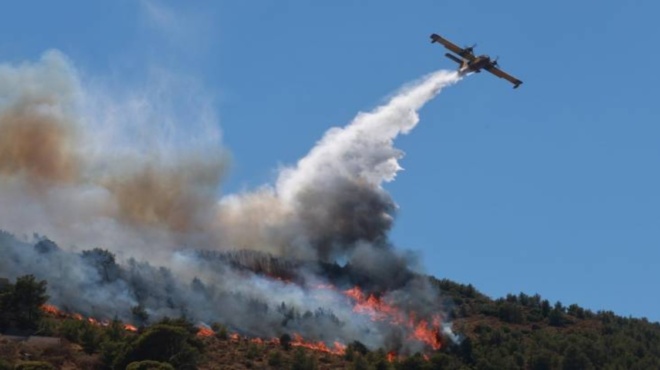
x,y
471,63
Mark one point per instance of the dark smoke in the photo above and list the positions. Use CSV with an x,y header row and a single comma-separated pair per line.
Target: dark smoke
x,y
344,213
142,199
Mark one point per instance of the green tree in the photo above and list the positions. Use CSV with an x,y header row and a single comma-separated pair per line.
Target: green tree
x,y
115,331
285,341
303,362
574,359
358,347
34,365
6,307
543,360
360,363
149,365
140,315
163,343
104,263
415,362
275,359
27,297
545,307
220,331
556,317
90,338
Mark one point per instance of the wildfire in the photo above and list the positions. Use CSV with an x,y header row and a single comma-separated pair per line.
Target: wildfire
x,y
378,310
429,334
47,308
374,307
52,310
336,349
427,331
204,332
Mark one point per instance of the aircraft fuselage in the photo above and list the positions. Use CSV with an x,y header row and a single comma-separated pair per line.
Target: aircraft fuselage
x,y
476,65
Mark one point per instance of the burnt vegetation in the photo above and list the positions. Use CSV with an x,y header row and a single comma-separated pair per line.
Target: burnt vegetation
x,y
519,331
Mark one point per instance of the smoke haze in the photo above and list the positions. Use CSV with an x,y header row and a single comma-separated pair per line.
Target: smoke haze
x,y
90,171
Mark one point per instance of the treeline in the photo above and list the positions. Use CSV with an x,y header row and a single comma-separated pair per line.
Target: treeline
x,y
20,303
167,344
515,332
529,332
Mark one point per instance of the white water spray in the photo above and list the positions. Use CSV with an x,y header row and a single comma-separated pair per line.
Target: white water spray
x,y
332,198
364,149
330,205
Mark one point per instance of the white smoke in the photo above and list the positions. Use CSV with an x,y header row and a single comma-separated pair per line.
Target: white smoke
x,y
364,149
91,166
87,168
333,197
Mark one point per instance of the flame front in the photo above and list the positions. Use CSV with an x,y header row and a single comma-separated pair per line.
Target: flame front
x,y
336,349
204,332
52,310
378,310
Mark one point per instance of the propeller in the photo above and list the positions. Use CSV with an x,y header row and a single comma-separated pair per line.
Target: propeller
x,y
470,48
495,60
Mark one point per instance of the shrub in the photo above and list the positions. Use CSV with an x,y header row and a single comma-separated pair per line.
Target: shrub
x,y
275,359
34,365
149,365
285,341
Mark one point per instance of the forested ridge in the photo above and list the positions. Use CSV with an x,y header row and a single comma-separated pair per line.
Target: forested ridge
x,y
514,332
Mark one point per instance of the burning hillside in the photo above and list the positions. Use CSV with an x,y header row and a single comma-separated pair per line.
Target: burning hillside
x,y
89,170
317,313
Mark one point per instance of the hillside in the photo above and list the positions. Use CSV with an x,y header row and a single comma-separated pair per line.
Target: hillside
x,y
514,332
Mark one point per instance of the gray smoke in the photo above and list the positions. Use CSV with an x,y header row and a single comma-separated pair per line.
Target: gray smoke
x,y
87,169
332,199
93,171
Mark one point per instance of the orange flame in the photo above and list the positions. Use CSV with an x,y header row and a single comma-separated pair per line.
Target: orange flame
x,y
336,349
391,356
48,308
378,310
429,334
204,332
52,310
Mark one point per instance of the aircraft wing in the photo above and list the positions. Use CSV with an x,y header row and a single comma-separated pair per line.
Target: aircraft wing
x,y
451,46
501,74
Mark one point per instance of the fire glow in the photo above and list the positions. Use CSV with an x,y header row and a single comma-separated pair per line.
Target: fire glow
x,y
422,330
54,311
336,349
372,306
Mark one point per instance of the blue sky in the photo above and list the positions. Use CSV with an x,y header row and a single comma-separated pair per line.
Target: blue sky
x,y
549,189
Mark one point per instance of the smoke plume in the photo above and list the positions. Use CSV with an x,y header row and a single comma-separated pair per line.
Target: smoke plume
x,y
118,178
332,199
